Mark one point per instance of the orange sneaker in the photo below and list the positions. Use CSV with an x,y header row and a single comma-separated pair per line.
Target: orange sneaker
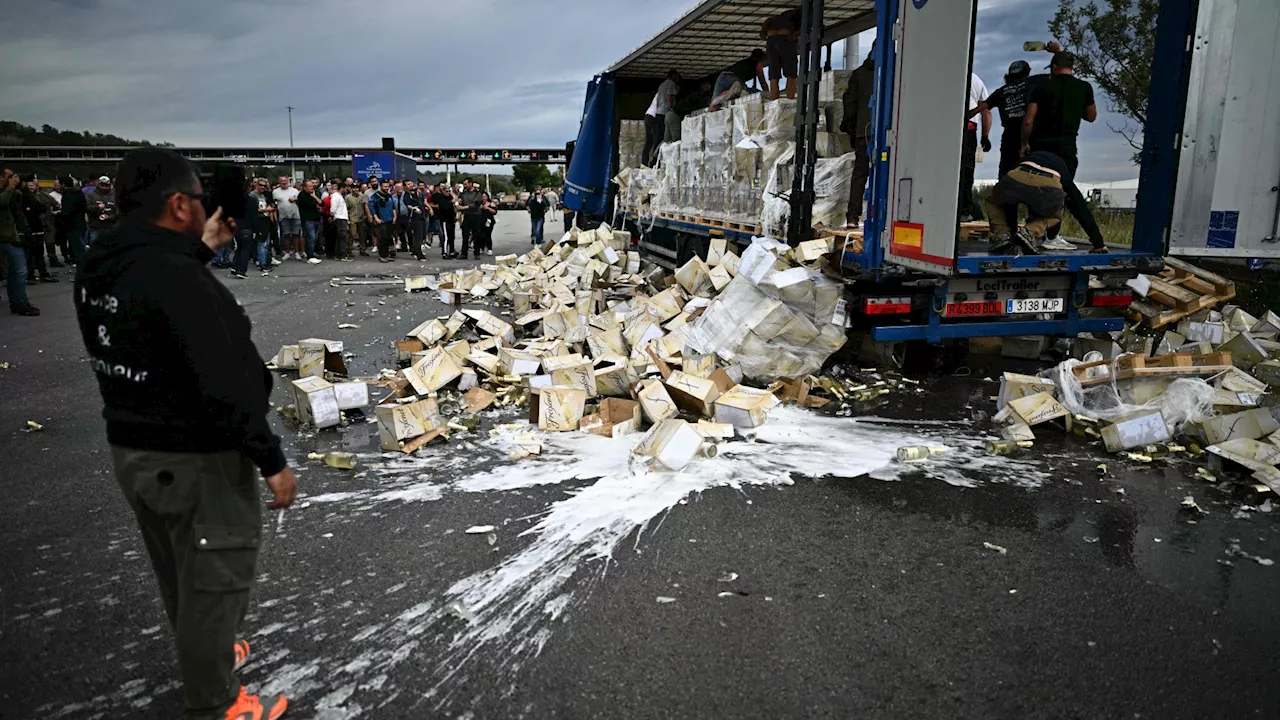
x,y
251,707
242,654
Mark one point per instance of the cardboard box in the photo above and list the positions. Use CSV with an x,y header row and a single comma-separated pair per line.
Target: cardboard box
x,y
430,332
555,362
483,360
460,350
435,370
317,355
517,362
1038,408
672,443
714,430
694,277
1245,350
351,395
287,358
560,408
812,250
1268,372
692,394
744,407
580,375
698,365
311,358
716,249
617,417
606,342
406,348
656,401
1250,424
316,402
1014,386
720,277
1196,332
398,422
614,376
1135,430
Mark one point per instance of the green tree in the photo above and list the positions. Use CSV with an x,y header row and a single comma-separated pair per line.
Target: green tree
x,y
529,177
1113,41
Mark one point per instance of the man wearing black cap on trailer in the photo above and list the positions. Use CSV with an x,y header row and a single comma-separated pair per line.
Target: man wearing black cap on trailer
x,y
1052,123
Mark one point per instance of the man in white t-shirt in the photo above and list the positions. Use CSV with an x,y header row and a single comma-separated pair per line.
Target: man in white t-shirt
x,y
967,208
655,117
286,197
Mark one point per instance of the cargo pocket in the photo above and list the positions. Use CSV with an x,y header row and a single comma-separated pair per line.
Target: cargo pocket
x,y
225,558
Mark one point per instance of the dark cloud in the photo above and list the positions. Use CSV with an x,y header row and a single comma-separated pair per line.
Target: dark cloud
x,y
485,72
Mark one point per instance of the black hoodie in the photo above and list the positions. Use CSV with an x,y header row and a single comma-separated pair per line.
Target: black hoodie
x,y
170,345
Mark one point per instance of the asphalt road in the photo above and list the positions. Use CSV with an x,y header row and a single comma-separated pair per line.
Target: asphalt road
x,y
834,597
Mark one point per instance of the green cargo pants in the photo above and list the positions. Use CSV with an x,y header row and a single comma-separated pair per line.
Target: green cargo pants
x,y
200,517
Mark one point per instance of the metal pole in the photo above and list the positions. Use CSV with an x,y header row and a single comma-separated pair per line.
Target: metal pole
x,y
807,106
293,170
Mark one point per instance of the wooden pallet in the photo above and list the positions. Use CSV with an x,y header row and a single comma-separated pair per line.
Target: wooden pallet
x,y
975,230
1180,290
1128,367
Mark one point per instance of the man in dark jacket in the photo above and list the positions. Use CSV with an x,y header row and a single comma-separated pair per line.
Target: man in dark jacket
x,y
186,396
857,122
71,218
11,245
537,206
102,209
36,226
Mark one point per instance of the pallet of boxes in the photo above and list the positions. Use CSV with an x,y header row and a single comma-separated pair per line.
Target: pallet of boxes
x,y
600,343
1207,384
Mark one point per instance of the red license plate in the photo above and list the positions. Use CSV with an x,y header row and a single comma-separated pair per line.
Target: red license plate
x,y
971,309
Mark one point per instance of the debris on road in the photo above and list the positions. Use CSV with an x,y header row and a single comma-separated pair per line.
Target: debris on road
x,y
996,548
340,460
33,426
480,529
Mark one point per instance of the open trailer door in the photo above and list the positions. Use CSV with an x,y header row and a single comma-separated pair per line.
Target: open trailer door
x,y
932,51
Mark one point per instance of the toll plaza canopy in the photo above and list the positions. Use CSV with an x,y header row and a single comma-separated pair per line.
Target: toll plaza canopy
x,y
717,33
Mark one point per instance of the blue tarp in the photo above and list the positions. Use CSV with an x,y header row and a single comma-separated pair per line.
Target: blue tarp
x,y
586,182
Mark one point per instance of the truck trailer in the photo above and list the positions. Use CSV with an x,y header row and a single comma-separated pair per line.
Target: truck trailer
x,y
911,273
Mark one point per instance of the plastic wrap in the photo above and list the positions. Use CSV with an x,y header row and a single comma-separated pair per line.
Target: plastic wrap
x,y
832,183
778,123
774,319
666,195
833,144
691,180
715,183
691,133
717,129
1188,400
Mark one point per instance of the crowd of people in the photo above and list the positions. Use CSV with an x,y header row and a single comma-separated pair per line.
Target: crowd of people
x,y
342,219
310,222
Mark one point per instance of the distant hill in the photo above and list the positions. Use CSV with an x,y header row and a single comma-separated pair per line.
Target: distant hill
x,y
13,133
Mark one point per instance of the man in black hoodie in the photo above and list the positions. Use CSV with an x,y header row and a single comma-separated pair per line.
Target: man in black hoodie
x,y
186,396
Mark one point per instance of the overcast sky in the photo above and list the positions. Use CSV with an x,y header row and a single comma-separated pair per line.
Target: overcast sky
x,y
482,73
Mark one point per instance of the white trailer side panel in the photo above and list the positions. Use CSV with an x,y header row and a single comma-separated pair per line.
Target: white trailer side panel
x,y
1228,195
927,133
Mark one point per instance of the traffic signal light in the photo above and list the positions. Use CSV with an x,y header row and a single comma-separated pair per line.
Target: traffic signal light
x,y
505,155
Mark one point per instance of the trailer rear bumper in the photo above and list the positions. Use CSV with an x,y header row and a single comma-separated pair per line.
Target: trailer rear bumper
x,y
936,333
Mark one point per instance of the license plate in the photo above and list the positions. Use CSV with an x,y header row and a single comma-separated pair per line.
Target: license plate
x,y
970,309
1034,305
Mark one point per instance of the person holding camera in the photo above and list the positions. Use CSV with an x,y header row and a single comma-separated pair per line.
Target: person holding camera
x,y
186,398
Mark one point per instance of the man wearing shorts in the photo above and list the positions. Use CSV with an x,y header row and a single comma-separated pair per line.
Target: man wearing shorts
x,y
286,198
781,34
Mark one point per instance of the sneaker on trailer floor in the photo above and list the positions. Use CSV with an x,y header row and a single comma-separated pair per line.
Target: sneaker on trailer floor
x,y
1057,244
253,707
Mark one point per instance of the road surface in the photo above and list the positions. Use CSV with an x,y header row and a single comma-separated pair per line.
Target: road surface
x,y
751,590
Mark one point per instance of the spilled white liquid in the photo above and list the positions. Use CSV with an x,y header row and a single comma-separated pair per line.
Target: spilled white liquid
x,y
497,619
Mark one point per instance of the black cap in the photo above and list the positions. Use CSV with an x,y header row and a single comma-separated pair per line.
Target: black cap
x,y
28,177
67,180
1063,59
1018,69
